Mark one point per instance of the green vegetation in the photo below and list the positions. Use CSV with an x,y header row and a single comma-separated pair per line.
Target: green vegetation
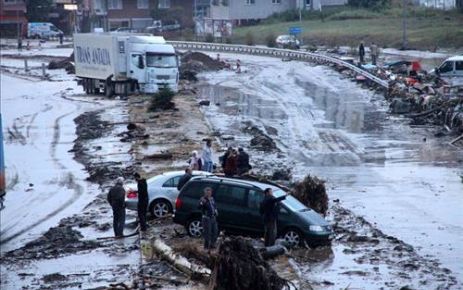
x,y
426,29
162,100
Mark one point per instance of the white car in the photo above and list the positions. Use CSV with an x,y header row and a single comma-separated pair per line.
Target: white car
x,y
287,41
162,192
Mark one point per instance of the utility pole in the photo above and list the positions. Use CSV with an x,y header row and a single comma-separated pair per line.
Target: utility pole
x,y
404,25
300,10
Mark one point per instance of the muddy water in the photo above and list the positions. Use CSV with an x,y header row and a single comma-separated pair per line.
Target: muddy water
x,y
400,178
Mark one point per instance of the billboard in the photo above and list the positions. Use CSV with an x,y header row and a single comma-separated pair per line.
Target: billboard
x,y
214,27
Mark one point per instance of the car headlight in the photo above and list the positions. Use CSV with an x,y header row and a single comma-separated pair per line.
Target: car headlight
x,y
316,228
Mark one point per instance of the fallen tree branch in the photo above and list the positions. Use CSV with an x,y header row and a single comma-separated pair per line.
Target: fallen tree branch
x,y
457,139
166,279
193,271
159,156
425,113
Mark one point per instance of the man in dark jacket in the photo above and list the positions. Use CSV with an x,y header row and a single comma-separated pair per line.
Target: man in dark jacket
x,y
142,205
116,198
361,52
185,178
243,162
209,221
269,209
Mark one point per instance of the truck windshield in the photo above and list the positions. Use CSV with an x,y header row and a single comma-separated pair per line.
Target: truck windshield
x,y
161,60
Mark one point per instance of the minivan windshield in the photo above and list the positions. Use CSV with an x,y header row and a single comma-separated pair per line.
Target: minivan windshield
x,y
290,202
161,60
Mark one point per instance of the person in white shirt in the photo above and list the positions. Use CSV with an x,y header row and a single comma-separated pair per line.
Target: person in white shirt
x,y
207,156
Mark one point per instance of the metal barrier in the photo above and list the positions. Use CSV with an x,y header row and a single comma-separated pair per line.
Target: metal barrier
x,y
275,52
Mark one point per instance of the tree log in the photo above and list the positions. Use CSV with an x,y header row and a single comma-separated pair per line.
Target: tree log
x,y
194,271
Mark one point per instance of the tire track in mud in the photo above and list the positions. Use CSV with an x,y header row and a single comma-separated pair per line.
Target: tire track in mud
x,y
67,181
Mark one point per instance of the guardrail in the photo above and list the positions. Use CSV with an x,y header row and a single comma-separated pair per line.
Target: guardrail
x,y
276,52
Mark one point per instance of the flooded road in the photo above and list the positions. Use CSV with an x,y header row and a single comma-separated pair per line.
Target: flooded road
x,y
401,179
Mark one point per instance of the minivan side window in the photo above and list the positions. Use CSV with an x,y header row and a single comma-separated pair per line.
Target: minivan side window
x,y
196,189
229,194
446,67
255,198
459,65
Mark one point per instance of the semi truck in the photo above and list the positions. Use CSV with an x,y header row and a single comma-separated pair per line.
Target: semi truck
x,y
121,64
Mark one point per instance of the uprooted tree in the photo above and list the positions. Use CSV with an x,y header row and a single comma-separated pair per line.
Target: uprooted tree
x,y
311,191
240,266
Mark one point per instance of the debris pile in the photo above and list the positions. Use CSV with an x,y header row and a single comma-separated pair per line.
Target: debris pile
x,y
196,62
428,104
134,132
426,98
67,64
240,266
260,140
311,191
90,127
282,174
54,243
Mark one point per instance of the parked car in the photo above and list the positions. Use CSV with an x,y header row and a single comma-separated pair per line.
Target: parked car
x,y
451,70
125,30
160,26
287,41
238,202
162,192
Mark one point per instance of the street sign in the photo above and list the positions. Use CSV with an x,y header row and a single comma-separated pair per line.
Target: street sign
x,y
295,30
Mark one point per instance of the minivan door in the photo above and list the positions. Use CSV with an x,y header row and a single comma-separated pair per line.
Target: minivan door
x,y
230,201
137,67
253,216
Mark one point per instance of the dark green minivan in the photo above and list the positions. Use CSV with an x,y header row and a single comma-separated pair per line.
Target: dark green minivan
x,y
238,203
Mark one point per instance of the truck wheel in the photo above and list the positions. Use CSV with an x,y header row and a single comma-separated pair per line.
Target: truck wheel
x,y
126,90
109,89
86,85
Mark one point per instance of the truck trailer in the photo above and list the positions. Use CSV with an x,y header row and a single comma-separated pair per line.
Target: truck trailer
x,y
121,64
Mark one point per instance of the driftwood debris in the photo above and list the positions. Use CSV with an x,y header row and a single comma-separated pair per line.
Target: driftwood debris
x,y
311,191
192,270
456,139
240,266
160,156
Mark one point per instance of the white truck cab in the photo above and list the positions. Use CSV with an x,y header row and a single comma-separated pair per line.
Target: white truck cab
x,y
451,70
153,63
123,63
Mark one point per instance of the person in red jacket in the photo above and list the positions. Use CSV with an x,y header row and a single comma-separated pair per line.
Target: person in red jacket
x,y
231,164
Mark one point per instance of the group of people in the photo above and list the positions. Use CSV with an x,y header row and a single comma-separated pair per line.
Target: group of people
x,y
269,209
235,162
374,53
116,198
203,162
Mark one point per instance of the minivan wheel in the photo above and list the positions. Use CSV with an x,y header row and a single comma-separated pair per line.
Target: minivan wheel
x,y
195,228
293,237
160,208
